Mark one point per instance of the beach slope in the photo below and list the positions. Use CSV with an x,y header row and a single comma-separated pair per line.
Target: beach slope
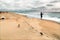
x,y
19,27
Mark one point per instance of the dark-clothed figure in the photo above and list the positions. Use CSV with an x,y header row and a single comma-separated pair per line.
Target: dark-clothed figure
x,y
41,14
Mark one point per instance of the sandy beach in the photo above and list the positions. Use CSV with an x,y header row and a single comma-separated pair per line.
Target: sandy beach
x,y
20,27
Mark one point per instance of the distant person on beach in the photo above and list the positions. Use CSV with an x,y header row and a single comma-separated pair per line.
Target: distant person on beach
x,y
41,14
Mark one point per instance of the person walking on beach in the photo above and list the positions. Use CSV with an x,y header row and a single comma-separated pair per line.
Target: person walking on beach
x,y
41,14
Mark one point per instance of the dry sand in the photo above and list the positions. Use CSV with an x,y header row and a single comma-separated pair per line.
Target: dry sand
x,y
19,27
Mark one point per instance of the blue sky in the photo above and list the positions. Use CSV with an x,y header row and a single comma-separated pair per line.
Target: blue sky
x,y
28,4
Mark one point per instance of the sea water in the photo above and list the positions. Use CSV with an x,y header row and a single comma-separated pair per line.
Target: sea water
x,y
52,16
47,16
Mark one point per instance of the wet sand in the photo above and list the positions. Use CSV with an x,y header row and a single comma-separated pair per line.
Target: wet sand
x,y
19,27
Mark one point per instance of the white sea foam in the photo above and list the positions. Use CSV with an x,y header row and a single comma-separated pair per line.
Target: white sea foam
x,y
44,16
52,18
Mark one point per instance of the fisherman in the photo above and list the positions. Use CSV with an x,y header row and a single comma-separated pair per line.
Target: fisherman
x,y
41,14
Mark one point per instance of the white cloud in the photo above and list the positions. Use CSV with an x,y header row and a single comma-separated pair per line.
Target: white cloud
x,y
23,4
57,5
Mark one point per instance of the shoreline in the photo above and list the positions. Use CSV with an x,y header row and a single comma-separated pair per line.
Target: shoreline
x,y
38,17
51,21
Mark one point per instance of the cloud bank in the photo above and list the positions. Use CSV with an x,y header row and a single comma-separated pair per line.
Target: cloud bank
x,y
28,4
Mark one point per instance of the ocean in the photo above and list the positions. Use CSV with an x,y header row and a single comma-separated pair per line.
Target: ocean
x,y
47,16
